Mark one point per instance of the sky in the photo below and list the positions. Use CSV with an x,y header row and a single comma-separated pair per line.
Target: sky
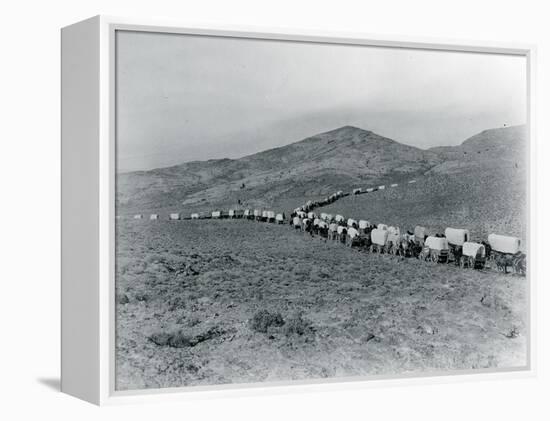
x,y
182,98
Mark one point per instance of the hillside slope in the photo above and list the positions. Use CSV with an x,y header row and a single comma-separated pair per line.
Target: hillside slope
x,y
318,165
479,183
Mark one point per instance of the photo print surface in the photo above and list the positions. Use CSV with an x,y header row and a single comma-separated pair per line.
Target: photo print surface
x,y
299,211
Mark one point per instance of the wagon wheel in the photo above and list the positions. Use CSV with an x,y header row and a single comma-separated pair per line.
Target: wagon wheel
x,y
435,257
462,262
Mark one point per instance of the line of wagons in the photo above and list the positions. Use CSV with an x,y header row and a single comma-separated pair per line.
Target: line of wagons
x,y
454,246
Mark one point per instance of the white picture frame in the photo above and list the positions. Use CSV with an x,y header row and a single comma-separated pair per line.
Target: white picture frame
x,y
88,214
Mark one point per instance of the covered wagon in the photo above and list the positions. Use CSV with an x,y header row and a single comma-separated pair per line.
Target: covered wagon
x,y
436,249
257,214
394,230
370,189
382,227
363,225
280,218
138,216
394,185
154,216
342,233
506,252
216,214
311,215
333,230
248,214
236,213
339,218
352,223
420,234
194,216
174,216
473,255
353,237
381,187
357,191
392,242
456,237
379,238
270,216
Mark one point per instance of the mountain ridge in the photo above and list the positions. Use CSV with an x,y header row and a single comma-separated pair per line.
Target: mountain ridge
x,y
317,165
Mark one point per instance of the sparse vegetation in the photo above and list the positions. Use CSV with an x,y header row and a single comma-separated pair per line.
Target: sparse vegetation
x,y
263,320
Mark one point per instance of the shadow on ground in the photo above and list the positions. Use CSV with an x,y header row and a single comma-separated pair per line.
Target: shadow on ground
x,y
53,383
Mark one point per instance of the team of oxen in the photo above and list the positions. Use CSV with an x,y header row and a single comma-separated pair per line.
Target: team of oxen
x,y
454,245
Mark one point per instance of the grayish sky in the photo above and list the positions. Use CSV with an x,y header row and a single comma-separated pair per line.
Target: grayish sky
x,y
182,98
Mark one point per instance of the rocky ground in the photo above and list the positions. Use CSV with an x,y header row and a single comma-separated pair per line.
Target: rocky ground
x,y
217,302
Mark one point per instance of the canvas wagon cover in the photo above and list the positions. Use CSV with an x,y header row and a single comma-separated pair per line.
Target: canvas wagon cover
x,y
504,244
437,243
472,249
457,236
379,236
352,232
382,226
364,224
279,217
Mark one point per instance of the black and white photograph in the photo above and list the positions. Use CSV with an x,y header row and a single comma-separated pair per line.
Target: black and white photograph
x,y
292,211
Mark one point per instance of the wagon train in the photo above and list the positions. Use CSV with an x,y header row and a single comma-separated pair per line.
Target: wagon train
x,y
454,246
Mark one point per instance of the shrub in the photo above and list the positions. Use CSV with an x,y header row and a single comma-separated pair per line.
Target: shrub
x,y
263,319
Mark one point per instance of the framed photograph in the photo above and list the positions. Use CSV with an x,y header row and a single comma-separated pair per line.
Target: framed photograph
x,y
246,209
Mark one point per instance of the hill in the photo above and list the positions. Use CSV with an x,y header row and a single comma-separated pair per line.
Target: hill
x,y
478,184
315,166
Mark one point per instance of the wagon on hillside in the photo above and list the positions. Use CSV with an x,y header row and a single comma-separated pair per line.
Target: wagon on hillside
x,y
473,255
419,235
394,185
174,217
342,233
270,216
138,216
311,215
506,252
352,223
257,214
381,187
280,218
394,230
248,214
370,189
393,242
236,213
195,216
339,218
364,225
378,238
357,191
456,237
435,249
382,227
354,237
154,216
216,214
